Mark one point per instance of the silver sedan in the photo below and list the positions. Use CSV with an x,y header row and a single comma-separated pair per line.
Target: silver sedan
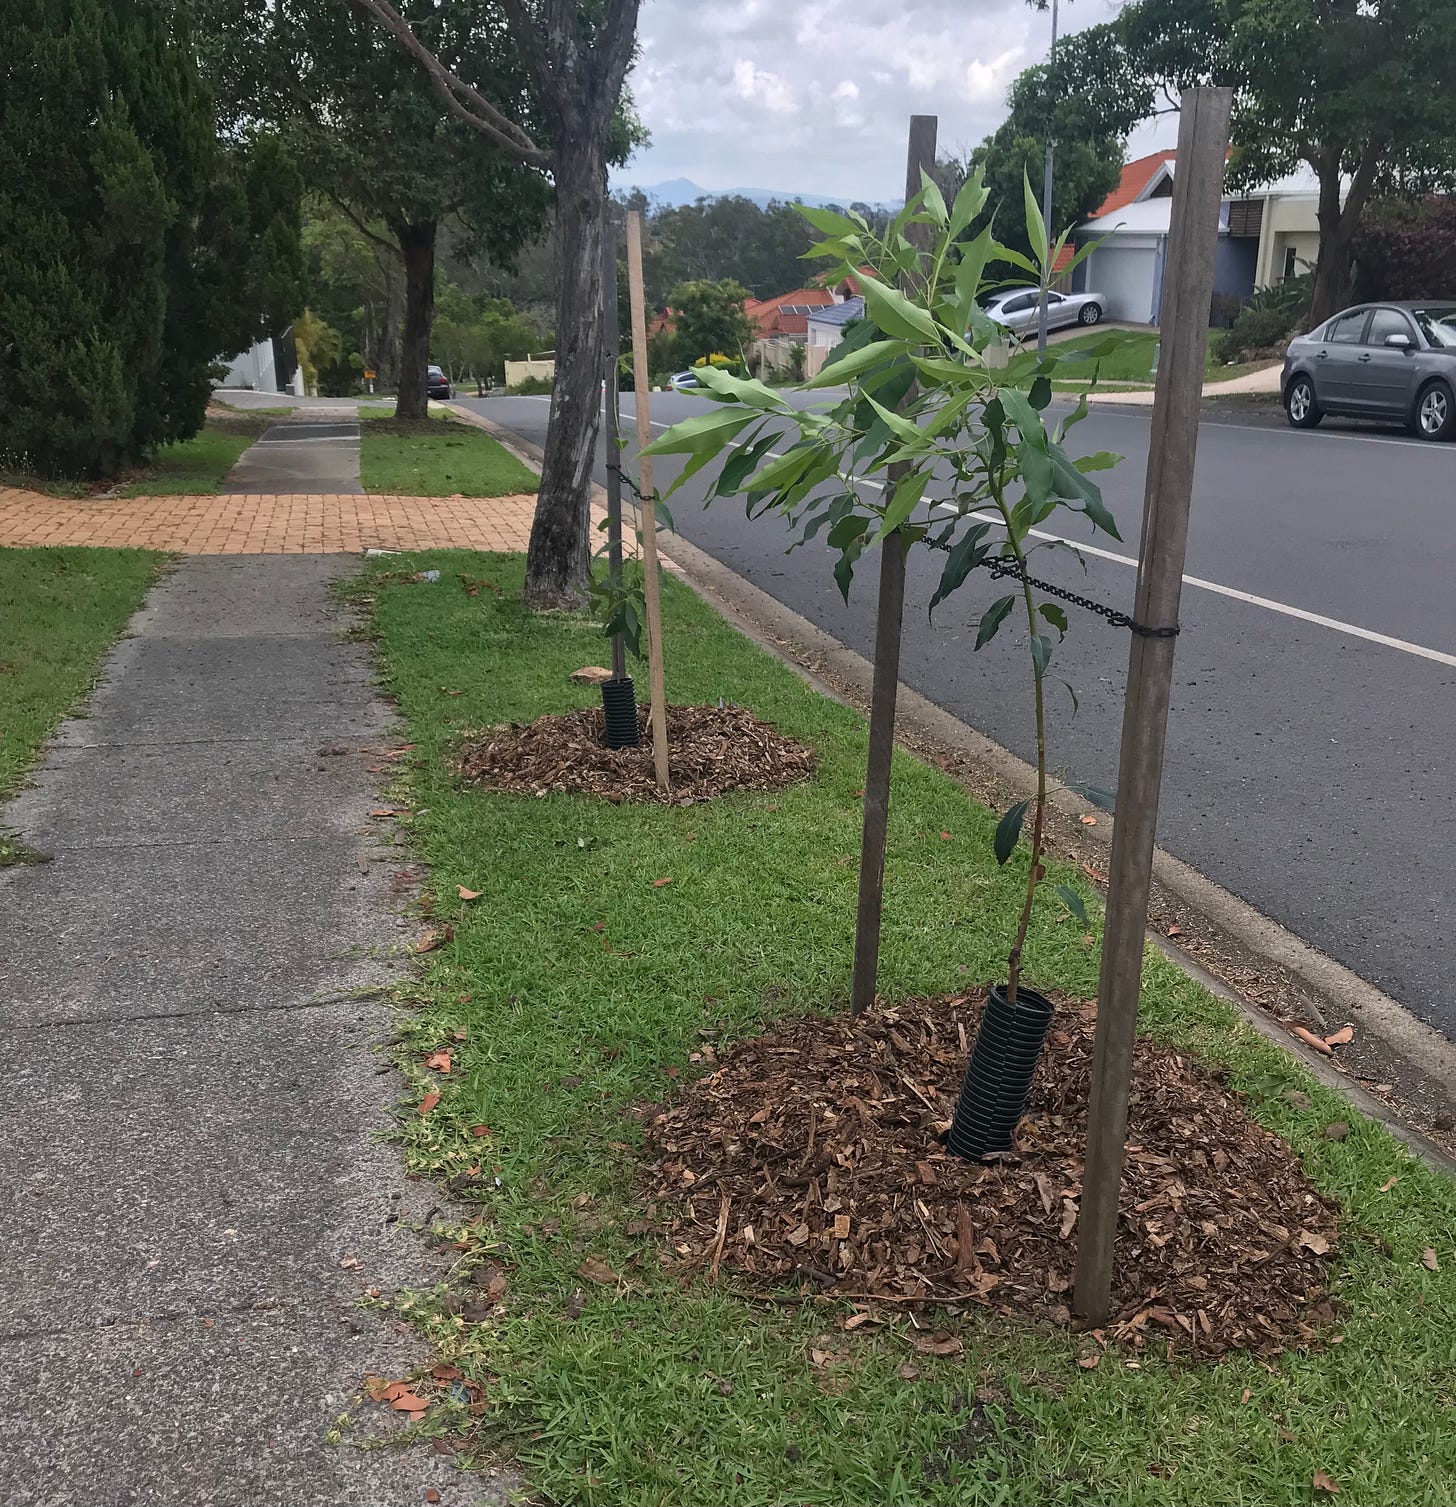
x,y
1015,308
1377,361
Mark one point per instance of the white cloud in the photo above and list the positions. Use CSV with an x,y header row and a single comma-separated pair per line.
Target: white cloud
x,y
758,86
814,97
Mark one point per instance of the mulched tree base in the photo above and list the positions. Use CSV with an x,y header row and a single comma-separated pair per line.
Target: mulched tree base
x,y
812,1155
710,750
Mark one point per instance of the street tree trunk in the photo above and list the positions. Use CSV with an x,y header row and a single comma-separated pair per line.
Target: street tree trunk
x,y
1338,223
558,563
417,248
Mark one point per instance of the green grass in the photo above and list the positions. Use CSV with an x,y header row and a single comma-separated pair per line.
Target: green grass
x,y
668,1394
60,610
191,467
438,458
1132,362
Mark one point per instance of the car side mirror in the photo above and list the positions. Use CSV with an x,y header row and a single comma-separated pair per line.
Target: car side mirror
x,y
1400,342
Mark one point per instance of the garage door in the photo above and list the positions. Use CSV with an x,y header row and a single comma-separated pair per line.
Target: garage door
x,y
1124,277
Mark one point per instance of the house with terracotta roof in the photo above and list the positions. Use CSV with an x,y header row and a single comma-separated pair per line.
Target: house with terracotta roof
x,y
780,323
1263,237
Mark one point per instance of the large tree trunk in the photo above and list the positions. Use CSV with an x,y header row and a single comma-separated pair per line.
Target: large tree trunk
x,y
559,561
417,247
1338,223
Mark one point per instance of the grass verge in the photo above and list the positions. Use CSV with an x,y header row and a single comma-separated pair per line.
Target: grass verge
x,y
192,467
573,988
438,458
1132,363
60,610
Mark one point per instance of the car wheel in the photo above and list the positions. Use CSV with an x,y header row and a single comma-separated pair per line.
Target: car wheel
x,y
1091,313
1300,403
1435,413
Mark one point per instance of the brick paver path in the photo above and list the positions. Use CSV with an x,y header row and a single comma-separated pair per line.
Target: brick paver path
x,y
248,524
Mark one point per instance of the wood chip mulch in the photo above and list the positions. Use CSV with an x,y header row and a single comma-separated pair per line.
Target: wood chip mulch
x,y
811,1158
711,749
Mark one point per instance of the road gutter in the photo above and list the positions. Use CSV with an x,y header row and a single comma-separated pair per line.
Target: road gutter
x,y
1217,938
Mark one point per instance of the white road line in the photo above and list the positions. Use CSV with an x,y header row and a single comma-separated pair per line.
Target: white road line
x,y
1353,629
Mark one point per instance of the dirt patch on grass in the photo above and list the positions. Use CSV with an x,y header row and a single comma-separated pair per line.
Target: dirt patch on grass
x,y
711,750
812,1155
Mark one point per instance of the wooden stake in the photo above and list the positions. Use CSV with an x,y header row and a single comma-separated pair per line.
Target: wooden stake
x,y
647,511
889,621
1187,289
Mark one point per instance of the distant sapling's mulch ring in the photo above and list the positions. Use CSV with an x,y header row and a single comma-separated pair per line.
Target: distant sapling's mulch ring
x,y
811,1156
710,750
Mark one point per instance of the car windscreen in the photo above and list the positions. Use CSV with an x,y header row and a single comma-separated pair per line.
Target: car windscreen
x,y
1438,324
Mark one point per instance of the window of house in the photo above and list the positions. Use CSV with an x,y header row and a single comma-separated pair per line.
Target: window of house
x,y
1348,328
1385,322
1290,261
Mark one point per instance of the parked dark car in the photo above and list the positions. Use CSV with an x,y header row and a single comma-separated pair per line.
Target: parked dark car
x,y
1379,361
437,384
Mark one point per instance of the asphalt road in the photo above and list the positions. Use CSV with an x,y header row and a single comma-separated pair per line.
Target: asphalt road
x,y
1309,764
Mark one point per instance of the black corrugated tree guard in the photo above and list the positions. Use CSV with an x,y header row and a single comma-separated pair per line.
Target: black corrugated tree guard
x,y
935,391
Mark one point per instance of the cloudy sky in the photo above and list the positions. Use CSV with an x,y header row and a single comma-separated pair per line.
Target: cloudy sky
x,y
807,96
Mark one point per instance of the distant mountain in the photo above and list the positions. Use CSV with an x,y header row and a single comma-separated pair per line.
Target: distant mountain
x,y
679,191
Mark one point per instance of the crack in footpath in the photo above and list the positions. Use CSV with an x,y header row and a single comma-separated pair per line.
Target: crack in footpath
x,y
348,997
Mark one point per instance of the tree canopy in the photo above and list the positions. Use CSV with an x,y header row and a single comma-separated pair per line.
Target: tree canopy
x,y
136,249
1359,91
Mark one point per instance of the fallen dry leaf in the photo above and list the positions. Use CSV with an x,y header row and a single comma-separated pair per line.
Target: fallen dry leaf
x,y
409,1402
1175,930
938,1344
440,1061
349,1263
1340,1037
1430,1260
909,1371
657,884
1247,1395
1087,820
1310,1039
1322,1482
1388,1184
1315,1242
431,1493
384,811
1090,1362
945,836
598,1271
430,1100
466,894
436,937
480,1130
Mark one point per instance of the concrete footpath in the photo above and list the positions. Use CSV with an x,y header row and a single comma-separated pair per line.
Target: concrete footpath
x,y
197,1195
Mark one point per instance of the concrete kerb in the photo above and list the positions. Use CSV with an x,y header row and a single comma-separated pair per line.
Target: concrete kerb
x,y
832,668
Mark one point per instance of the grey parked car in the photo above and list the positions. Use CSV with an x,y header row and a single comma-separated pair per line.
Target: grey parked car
x,y
1386,360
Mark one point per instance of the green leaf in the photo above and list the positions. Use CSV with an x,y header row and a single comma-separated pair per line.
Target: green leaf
x,y
902,428
893,313
906,498
749,391
991,620
965,555
1040,394
1024,416
702,437
1096,510
702,432
969,202
1104,800
828,220
1102,460
1056,616
784,470
853,526
855,362
933,199
1073,901
737,467
1002,253
1008,831
844,568
1041,653
1036,231
1038,475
